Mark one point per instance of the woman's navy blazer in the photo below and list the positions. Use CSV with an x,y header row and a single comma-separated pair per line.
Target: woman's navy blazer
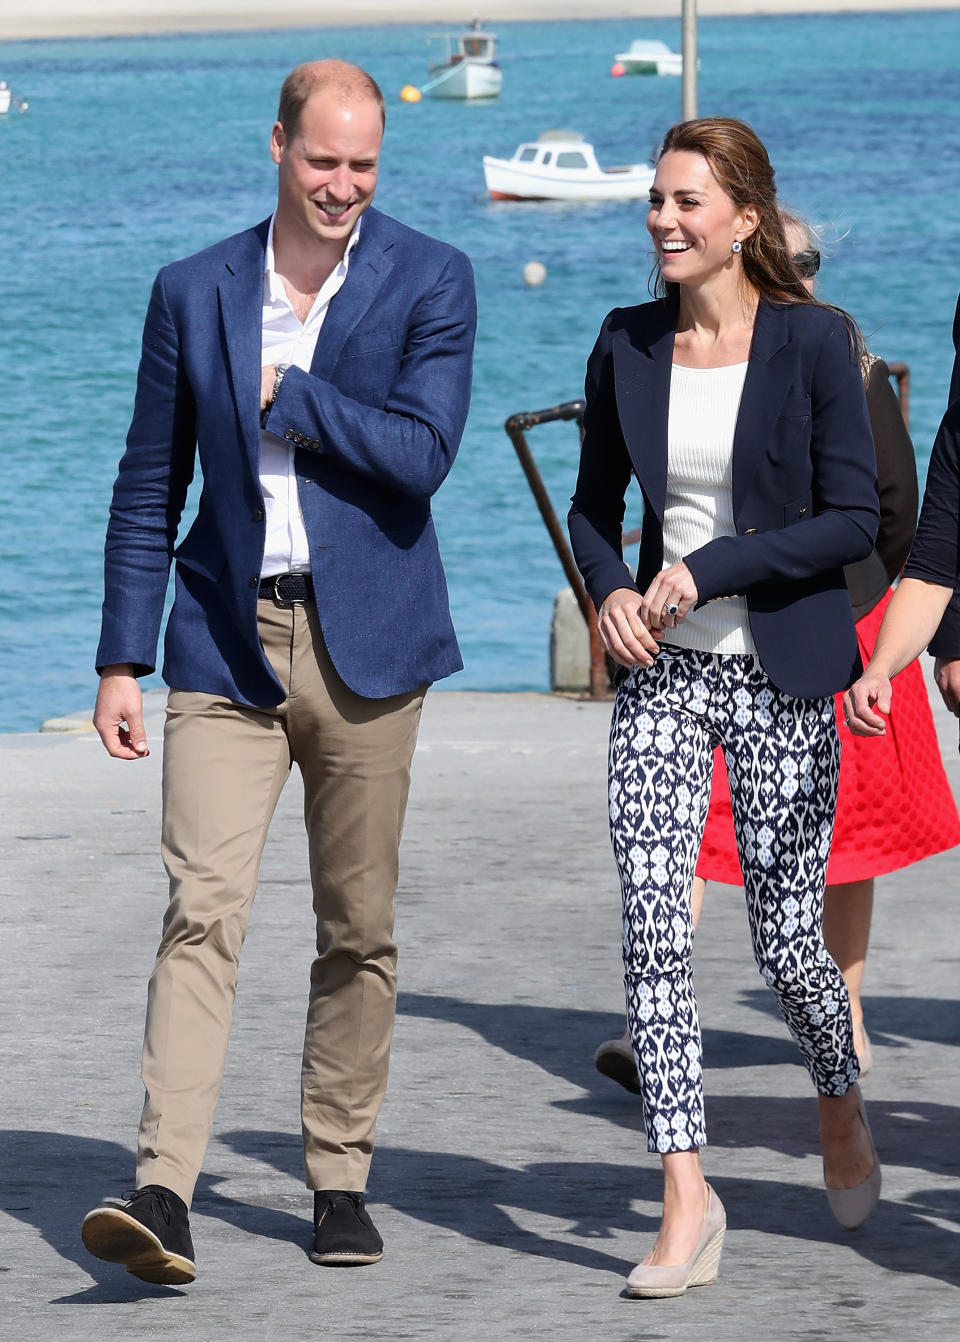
x,y
804,482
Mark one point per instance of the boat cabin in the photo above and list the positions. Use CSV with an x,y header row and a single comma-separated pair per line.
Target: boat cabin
x,y
558,150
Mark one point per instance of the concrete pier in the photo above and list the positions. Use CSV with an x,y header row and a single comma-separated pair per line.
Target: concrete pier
x,y
511,1181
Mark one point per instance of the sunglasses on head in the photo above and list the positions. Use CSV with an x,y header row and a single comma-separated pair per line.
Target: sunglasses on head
x,y
806,263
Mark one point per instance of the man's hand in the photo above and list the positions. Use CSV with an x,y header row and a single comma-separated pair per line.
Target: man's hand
x,y
871,691
673,589
946,672
268,376
625,637
120,702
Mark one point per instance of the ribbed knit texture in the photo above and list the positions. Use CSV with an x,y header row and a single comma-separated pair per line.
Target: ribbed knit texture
x,y
699,507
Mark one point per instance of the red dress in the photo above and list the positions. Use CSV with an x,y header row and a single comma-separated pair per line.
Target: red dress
x,y
894,805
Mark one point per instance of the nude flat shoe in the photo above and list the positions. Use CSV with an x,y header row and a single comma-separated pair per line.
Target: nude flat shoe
x,y
852,1206
864,1054
614,1059
700,1269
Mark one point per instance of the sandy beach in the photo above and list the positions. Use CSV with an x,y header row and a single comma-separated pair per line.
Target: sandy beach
x,y
89,18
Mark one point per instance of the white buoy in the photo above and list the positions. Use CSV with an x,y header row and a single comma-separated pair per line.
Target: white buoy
x,y
534,273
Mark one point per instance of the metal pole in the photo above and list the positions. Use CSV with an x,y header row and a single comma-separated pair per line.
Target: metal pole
x,y
689,59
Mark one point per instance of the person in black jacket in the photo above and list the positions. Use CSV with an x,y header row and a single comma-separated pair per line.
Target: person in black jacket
x,y
945,645
736,400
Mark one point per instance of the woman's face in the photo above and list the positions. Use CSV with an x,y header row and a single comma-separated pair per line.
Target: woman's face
x,y
692,220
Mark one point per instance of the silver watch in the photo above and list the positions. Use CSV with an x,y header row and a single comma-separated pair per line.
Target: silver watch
x,y
281,374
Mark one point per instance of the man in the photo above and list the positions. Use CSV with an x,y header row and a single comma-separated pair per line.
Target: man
x,y
319,365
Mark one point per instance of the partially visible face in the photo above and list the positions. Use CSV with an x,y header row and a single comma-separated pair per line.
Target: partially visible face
x,y
328,167
692,220
798,241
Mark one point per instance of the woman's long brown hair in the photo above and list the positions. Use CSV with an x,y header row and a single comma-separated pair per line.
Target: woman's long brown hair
x,y
741,165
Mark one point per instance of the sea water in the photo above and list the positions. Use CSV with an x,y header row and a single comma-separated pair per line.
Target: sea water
x,y
139,150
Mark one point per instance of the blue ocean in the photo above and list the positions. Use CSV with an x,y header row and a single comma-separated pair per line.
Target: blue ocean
x,y
137,151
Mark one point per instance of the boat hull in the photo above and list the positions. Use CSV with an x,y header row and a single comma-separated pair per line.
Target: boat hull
x,y
650,65
467,79
507,180
6,97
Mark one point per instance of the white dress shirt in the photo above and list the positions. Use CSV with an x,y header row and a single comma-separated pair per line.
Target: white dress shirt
x,y
286,340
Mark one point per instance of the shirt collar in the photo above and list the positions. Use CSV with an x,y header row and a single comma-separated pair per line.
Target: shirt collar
x,y
273,288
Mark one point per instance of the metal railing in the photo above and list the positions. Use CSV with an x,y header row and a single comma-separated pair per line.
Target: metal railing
x,y
516,427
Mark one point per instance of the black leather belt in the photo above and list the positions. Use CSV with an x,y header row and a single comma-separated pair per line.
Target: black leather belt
x,y
287,588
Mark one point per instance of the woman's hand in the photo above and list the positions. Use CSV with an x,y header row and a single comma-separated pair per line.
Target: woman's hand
x,y
625,637
669,597
871,691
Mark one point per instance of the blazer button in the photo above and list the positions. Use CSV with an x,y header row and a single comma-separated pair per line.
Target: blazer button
x,y
750,531
254,581
258,514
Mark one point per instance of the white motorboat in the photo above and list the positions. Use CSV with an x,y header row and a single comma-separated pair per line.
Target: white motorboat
x,y
471,68
561,165
8,99
650,58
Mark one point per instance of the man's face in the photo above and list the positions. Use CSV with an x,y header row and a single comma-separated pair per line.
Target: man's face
x,y
328,167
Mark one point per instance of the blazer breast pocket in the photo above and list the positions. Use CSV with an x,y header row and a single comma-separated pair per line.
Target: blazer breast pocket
x,y
364,343
798,511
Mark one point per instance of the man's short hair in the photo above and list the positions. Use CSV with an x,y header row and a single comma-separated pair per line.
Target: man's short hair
x,y
344,80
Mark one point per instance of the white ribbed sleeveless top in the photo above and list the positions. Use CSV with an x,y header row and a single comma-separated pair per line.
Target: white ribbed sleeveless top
x,y
699,505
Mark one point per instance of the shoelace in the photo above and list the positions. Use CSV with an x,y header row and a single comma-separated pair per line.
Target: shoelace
x,y
355,1200
151,1191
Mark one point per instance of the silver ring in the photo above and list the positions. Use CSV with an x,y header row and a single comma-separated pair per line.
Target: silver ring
x,y
671,609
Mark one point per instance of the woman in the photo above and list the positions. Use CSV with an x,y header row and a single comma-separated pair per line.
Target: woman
x,y
736,400
930,575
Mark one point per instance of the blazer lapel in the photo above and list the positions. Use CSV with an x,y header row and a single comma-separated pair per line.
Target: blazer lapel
x,y
642,363
769,375
240,294
367,270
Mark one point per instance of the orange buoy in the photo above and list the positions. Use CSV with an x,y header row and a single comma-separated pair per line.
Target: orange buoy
x,y
410,94
616,69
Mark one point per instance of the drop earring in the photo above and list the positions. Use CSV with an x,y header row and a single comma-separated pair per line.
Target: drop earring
x,y
737,246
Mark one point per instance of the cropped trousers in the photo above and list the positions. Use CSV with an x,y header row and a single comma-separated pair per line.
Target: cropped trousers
x,y
224,765
783,757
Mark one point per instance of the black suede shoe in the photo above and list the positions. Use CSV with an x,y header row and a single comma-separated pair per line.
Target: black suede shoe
x,y
148,1231
343,1233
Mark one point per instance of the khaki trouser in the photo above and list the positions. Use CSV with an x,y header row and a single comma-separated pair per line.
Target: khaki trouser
x,y
224,766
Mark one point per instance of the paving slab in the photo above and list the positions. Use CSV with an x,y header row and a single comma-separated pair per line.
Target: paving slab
x,y
511,1181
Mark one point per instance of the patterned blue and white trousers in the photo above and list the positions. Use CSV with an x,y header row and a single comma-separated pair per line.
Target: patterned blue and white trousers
x,y
783,759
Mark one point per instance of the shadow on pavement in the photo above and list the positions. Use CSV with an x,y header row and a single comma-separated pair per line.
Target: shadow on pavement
x,y
483,1201
473,1197
51,1180
563,1041
890,1020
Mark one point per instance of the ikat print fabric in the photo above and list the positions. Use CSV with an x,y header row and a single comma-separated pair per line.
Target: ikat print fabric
x,y
783,758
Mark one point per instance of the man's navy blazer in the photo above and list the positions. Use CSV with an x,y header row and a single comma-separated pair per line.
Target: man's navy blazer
x,y
804,482
376,424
